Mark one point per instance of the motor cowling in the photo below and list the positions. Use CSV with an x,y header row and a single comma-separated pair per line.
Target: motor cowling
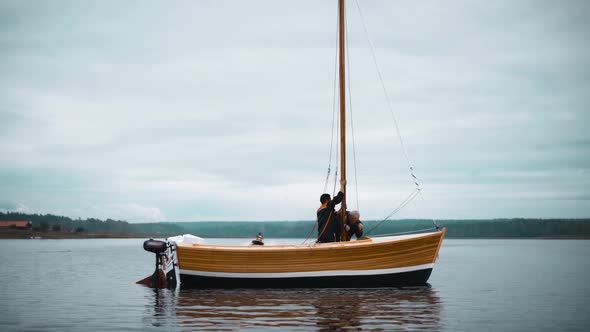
x,y
155,246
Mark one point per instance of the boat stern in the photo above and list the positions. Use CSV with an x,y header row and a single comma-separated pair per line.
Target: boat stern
x,y
166,273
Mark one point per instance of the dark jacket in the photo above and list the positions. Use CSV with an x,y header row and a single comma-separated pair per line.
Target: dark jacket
x,y
355,230
327,214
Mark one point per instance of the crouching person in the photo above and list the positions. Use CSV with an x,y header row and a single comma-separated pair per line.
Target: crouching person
x,y
353,226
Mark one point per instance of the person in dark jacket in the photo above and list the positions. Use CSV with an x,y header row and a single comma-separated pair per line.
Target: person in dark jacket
x,y
354,225
329,226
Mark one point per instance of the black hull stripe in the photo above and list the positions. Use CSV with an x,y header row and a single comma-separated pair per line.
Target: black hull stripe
x,y
403,279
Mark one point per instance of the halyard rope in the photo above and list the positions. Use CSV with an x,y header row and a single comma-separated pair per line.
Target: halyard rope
x,y
389,105
333,112
356,184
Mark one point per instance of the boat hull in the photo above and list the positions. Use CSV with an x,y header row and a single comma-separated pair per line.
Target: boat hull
x,y
379,262
400,279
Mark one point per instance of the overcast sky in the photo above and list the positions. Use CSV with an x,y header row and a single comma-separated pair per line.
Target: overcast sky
x,y
222,110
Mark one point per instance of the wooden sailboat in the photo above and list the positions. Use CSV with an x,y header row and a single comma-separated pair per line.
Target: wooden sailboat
x,y
389,261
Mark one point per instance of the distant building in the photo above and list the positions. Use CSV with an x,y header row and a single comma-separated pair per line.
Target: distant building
x,y
16,224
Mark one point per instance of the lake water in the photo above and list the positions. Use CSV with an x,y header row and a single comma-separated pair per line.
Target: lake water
x,y
500,285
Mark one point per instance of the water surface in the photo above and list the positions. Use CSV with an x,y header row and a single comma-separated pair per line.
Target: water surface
x,y
508,285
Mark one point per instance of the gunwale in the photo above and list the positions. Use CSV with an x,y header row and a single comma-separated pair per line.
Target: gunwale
x,y
372,242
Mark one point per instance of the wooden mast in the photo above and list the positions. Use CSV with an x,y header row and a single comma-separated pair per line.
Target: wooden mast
x,y
342,81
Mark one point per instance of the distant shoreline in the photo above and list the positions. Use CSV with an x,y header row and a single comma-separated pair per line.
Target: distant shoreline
x,y
61,227
16,234
13,234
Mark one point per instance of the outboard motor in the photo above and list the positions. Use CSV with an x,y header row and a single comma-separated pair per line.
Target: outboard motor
x,y
164,275
155,246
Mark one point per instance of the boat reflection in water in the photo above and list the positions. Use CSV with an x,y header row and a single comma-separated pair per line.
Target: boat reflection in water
x,y
306,309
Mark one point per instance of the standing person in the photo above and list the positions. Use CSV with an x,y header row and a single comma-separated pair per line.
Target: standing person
x,y
329,226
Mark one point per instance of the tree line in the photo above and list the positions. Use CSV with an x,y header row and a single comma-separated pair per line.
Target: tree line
x,y
480,228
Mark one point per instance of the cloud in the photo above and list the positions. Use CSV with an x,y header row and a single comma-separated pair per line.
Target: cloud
x,y
222,110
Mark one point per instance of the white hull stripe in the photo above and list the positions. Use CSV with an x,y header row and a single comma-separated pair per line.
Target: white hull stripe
x,y
333,273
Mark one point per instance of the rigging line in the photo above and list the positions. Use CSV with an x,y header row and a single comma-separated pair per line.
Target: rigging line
x,y
310,233
356,184
334,98
335,181
336,161
374,57
434,222
401,206
396,210
337,157
333,107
